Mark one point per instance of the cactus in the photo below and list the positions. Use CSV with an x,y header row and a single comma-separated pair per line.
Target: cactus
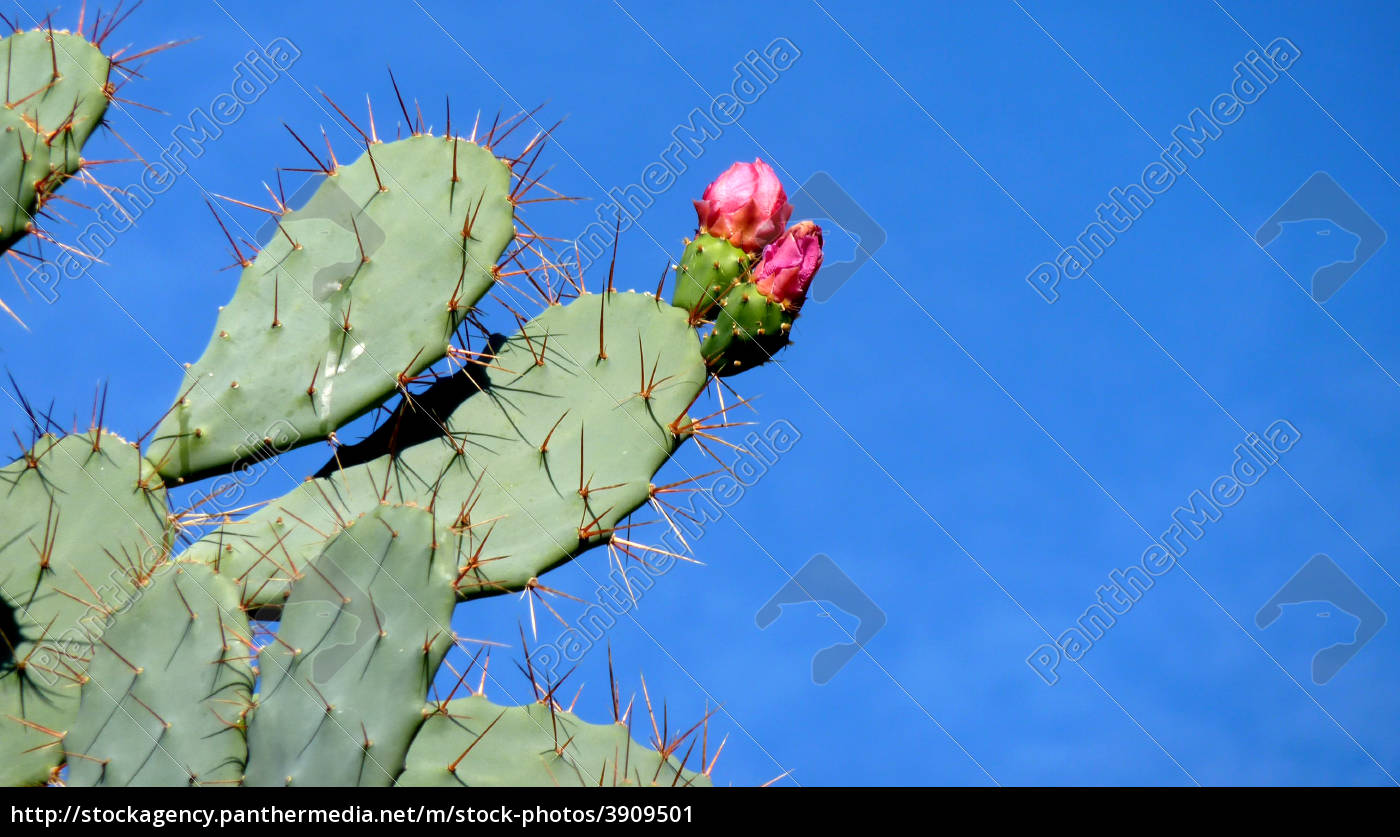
x,y
362,635
607,377
741,273
473,742
708,268
85,525
57,85
163,683
321,298
749,329
132,661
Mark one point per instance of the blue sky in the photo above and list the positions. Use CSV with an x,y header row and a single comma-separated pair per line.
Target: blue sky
x,y
977,460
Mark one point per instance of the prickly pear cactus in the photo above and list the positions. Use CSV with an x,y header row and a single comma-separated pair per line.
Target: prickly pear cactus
x,y
578,412
355,294
743,273
472,742
296,643
167,687
56,87
365,629
85,526
708,269
749,329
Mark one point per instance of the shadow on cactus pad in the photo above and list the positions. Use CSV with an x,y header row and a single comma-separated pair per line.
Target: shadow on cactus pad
x,y
10,637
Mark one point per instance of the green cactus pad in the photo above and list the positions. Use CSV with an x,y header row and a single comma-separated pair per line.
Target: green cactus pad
x,y
473,742
85,522
168,686
281,369
749,330
361,637
709,268
56,90
518,507
36,706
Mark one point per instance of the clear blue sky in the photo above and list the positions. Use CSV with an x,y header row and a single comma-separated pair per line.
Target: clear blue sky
x,y
977,460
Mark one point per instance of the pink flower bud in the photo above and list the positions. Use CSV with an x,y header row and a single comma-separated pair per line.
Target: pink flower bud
x,y
785,272
746,206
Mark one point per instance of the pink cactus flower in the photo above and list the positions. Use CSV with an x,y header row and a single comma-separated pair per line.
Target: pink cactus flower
x,y
785,271
746,206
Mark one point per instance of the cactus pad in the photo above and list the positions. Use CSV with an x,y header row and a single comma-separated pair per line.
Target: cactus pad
x,y
356,292
473,742
361,637
167,688
85,523
749,329
56,91
709,267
